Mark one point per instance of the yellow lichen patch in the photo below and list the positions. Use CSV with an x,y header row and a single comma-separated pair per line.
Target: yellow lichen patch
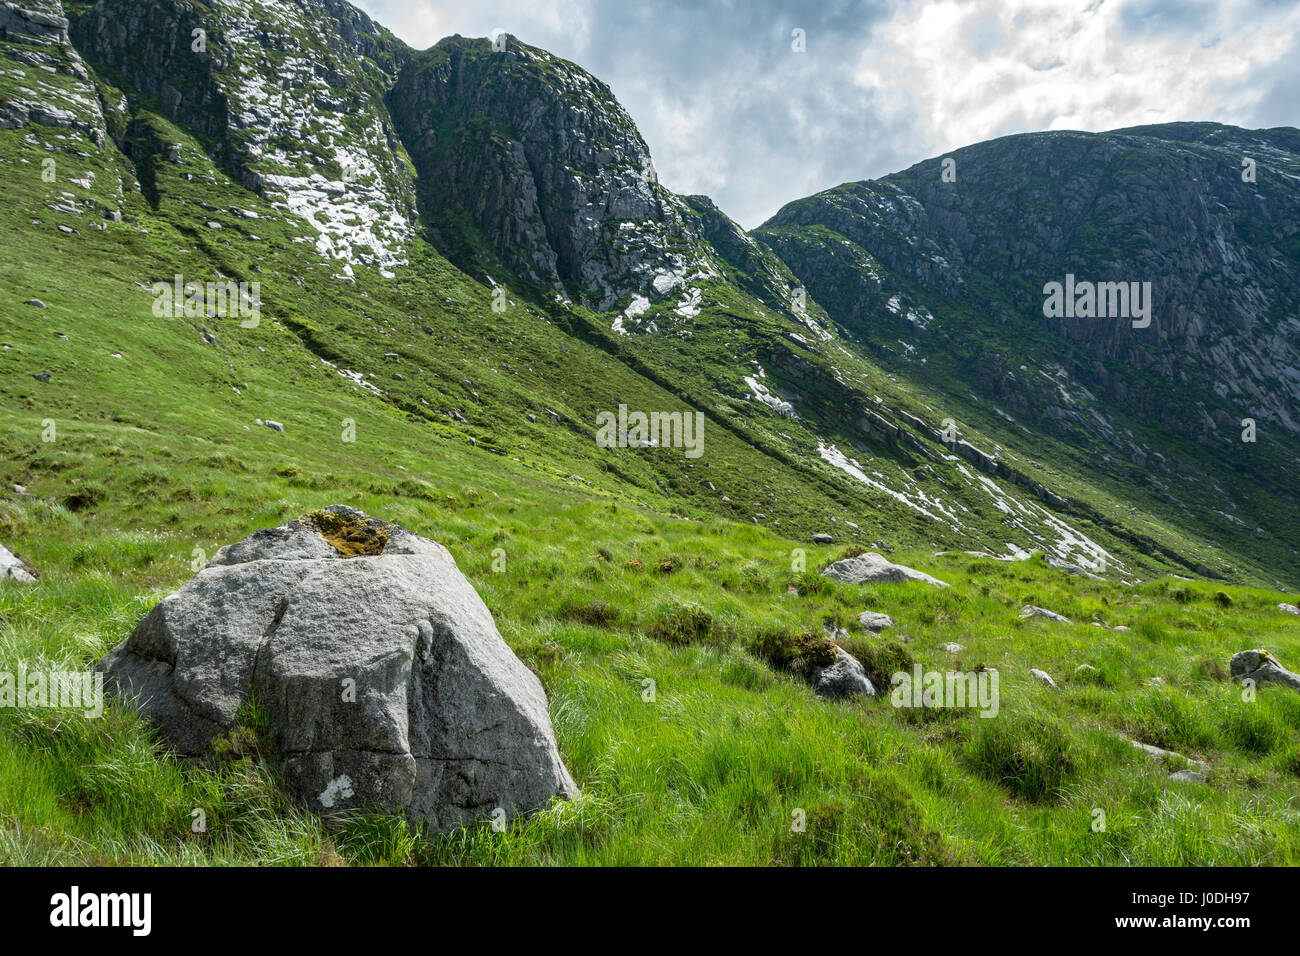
x,y
348,535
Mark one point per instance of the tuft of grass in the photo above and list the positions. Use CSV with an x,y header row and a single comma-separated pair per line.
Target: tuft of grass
x,y
1032,756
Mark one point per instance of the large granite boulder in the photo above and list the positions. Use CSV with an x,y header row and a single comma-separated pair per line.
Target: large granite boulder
x,y
380,669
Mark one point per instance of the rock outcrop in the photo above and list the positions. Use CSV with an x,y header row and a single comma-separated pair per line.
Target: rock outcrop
x,y
540,157
845,677
379,669
1262,668
11,567
871,567
1031,610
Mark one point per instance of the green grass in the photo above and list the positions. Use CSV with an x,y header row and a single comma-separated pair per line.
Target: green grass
x,y
711,766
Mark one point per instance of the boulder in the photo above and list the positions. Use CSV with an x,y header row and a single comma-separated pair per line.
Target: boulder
x,y
871,567
1261,667
11,567
844,677
874,621
823,539
1029,610
1289,608
1188,776
1042,677
379,670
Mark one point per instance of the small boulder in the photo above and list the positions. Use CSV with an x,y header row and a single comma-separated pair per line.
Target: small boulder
x,y
871,567
1289,608
823,539
42,376
1261,667
844,677
952,647
1188,776
35,303
1042,677
274,426
1030,610
12,568
874,621
1162,755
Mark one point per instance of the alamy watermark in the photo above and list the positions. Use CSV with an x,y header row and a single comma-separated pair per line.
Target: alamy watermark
x,y
654,430
1098,300
192,300
950,689
59,690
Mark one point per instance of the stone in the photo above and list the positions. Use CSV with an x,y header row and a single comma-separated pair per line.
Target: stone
x,y
12,568
1261,667
35,303
822,539
875,621
952,647
380,672
1158,753
1029,610
274,426
844,677
1042,677
1188,776
1289,608
872,567
42,376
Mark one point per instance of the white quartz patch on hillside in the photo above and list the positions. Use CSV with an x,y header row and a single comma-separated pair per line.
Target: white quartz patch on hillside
x,y
342,178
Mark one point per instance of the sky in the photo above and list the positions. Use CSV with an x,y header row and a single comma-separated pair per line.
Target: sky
x,y
759,102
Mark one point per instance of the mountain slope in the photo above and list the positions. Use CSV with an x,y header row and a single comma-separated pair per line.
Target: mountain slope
x,y
954,271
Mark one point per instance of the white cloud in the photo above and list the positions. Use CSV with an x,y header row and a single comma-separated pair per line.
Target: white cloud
x,y
728,110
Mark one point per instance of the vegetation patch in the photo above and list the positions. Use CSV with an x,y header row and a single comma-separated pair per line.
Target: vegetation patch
x,y
349,535
798,652
682,624
881,658
1032,757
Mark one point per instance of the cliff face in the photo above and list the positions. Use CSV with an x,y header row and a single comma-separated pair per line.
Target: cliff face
x,y
286,95
49,85
535,156
1166,205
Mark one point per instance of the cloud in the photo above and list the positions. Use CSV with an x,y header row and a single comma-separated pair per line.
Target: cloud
x,y
730,109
